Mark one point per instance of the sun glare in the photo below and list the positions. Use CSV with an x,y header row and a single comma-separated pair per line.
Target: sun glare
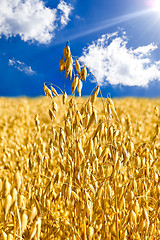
x,y
156,5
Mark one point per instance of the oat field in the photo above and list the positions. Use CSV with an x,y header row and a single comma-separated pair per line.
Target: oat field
x,y
60,180
79,167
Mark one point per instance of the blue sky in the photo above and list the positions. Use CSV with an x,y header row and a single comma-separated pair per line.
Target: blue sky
x,y
118,40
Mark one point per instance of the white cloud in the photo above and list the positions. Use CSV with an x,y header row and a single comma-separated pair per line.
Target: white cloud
x,y
111,61
79,18
31,19
65,10
21,66
145,49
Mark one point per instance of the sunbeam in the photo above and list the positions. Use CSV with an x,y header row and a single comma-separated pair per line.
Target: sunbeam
x,y
105,24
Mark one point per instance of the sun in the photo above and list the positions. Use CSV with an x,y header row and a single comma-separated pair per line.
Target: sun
x,y
156,5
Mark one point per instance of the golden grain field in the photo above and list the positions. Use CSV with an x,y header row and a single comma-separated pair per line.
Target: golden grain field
x,y
62,180
79,168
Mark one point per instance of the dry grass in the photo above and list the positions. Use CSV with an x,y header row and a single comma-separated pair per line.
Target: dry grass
x,y
79,168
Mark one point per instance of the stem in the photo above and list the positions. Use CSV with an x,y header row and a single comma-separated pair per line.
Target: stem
x,y
116,204
52,84
97,85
